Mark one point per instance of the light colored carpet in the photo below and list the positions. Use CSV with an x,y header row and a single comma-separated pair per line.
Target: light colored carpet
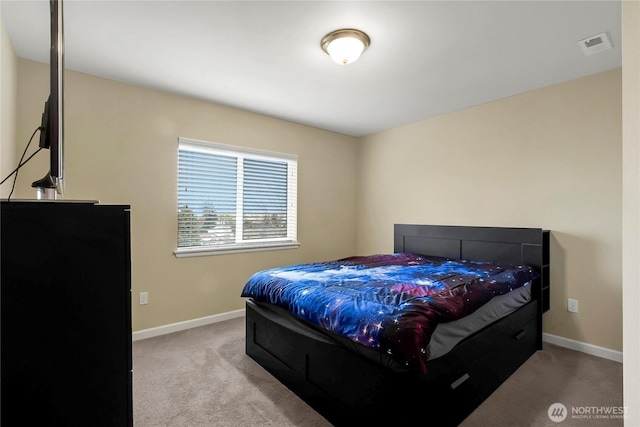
x,y
555,375
202,377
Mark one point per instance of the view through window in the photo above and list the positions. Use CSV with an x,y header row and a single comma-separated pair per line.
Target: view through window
x,y
234,198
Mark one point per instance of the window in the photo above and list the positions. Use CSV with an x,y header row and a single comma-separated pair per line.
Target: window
x,y
234,199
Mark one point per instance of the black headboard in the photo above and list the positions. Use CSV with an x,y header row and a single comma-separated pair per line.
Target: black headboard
x,y
499,244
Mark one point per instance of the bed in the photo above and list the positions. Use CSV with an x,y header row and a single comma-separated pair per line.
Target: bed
x,y
440,373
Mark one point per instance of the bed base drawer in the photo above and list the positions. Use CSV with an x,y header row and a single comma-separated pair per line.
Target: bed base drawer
x,y
482,377
343,387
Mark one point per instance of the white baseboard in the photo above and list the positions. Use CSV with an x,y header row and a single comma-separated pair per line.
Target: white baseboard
x,y
188,324
594,350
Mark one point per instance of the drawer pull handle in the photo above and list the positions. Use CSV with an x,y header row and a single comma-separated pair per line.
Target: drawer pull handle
x,y
459,381
519,335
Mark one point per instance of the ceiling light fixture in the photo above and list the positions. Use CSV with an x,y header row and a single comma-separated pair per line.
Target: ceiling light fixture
x,y
346,45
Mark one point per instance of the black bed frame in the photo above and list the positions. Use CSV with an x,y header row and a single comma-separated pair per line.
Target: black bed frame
x,y
346,388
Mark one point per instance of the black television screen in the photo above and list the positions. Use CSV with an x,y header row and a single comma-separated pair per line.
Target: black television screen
x,y
52,126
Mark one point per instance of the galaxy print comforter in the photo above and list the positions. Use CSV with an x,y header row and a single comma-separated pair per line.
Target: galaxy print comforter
x,y
389,302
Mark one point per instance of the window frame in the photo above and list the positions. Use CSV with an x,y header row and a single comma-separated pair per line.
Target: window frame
x,y
241,246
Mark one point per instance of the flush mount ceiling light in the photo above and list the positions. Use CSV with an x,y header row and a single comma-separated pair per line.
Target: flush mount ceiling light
x,y
346,45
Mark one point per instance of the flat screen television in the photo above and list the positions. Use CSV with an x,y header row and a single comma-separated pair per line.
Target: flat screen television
x,y
52,126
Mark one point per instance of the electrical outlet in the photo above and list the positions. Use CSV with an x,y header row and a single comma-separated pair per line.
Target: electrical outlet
x,y
572,305
144,298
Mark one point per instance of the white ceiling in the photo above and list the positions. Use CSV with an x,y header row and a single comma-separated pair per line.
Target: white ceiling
x,y
426,58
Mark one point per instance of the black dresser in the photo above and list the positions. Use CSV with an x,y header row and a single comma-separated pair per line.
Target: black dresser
x,y
66,314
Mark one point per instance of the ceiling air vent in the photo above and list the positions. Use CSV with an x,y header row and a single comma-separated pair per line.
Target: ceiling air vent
x,y
595,44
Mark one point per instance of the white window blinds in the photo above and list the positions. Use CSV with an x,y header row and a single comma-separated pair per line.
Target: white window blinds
x,y
234,199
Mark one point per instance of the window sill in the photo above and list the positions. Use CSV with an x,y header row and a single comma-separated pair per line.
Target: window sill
x,y
208,251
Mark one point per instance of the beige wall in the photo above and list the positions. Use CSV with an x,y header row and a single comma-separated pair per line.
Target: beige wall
x,y
550,158
631,207
8,100
121,146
